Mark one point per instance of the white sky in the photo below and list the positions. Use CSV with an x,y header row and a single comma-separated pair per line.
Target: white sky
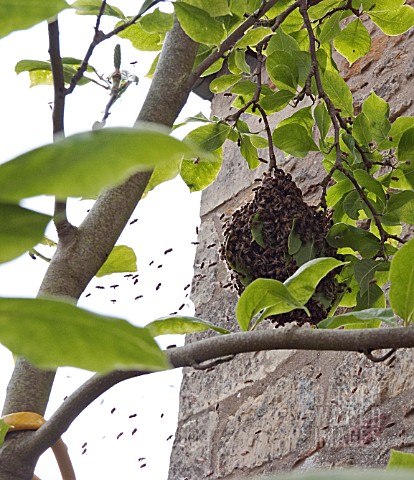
x,y
167,218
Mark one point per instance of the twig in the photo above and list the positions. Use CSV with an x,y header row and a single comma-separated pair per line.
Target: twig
x,y
58,116
272,156
368,354
98,38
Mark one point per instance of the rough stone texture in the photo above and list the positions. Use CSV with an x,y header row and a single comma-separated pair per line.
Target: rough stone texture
x,y
274,411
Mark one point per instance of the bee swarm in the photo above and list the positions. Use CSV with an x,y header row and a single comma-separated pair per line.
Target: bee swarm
x,y
256,242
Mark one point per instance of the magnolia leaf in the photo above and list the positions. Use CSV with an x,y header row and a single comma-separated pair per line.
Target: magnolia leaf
x,y
179,325
294,139
83,164
353,42
322,119
402,282
392,22
53,334
199,173
338,91
400,460
220,9
93,7
198,24
276,101
303,282
263,293
361,317
4,428
22,14
141,39
157,22
248,151
342,235
20,230
253,37
405,151
224,82
121,259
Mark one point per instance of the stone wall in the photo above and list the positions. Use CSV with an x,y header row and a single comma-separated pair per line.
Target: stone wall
x,y
273,411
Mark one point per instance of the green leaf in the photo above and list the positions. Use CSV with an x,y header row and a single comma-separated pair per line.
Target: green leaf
x,y
400,460
220,9
373,298
263,293
52,334
405,151
163,173
4,428
283,70
338,91
353,42
303,282
294,240
209,137
365,180
400,208
157,22
256,229
276,101
294,139
83,164
248,151
352,204
342,235
221,84
93,7
361,317
141,39
331,26
390,21
321,9
20,230
258,141
179,325
22,14
198,24
40,72
121,259
283,42
322,119
400,125
153,66
199,118
240,61
253,37
364,272
199,174
402,282
377,111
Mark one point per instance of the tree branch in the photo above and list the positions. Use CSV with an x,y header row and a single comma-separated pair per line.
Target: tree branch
x,y
215,348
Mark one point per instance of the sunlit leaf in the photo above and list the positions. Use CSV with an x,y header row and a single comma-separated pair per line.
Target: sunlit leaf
x,y
4,428
342,235
51,334
157,22
141,39
121,259
20,230
405,151
93,7
353,42
402,282
360,317
85,163
263,293
338,91
178,325
22,14
198,24
400,460
253,37
222,83
294,139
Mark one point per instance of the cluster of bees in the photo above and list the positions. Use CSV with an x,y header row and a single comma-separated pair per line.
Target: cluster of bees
x,y
256,241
